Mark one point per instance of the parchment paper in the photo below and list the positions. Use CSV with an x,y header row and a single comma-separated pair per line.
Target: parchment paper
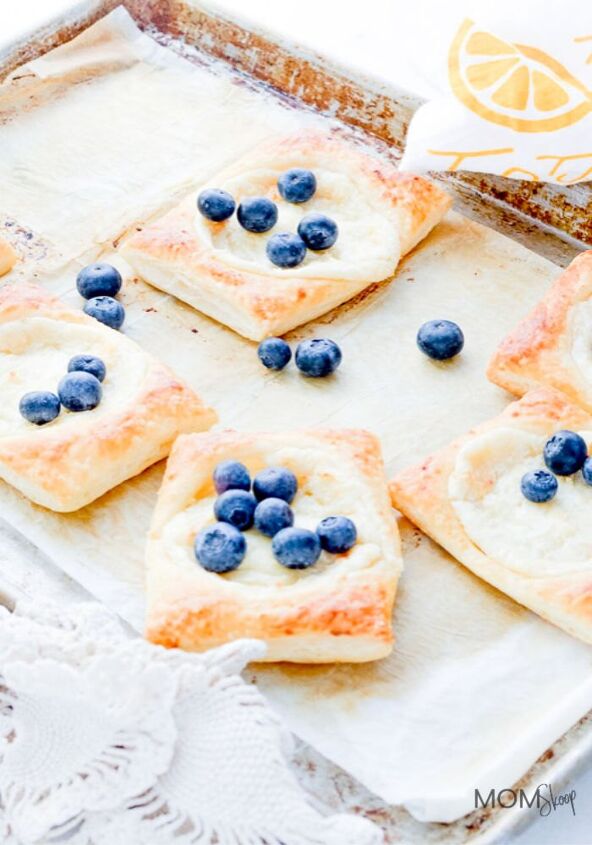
x,y
477,687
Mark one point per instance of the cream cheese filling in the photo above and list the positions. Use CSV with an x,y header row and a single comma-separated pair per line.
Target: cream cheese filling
x,y
34,355
367,247
326,487
535,540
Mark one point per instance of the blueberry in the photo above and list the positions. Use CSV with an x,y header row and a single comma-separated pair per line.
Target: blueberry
x,y
88,364
220,547
318,231
236,507
587,471
80,391
257,214
539,486
98,280
274,353
565,452
271,515
231,475
317,358
215,204
296,548
39,407
275,483
440,339
106,310
297,185
337,534
286,249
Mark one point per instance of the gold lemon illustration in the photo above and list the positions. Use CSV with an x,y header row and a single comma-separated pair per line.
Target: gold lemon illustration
x,y
514,85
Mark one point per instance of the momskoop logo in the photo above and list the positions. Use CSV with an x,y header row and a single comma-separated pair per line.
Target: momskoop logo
x,y
543,798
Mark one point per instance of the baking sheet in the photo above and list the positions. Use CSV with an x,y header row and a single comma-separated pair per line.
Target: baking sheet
x,y
477,687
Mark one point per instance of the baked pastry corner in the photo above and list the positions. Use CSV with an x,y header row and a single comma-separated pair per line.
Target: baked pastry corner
x,y
338,610
78,457
8,257
551,346
467,498
223,271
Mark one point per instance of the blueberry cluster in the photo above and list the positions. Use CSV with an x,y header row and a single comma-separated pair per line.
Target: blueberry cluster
x,y
222,547
79,390
99,284
565,453
260,214
316,358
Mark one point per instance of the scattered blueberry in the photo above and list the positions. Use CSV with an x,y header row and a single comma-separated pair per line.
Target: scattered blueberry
x,y
296,548
39,407
286,250
88,364
440,339
318,357
236,507
80,391
231,475
275,483
297,185
98,280
271,515
565,452
337,534
220,547
106,310
215,204
318,231
587,471
274,353
257,214
539,486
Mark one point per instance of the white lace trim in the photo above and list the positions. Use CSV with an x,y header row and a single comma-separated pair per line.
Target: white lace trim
x,y
108,740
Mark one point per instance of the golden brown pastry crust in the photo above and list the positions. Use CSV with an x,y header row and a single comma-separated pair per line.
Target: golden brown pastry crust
x,y
421,494
344,616
171,253
65,469
8,257
539,350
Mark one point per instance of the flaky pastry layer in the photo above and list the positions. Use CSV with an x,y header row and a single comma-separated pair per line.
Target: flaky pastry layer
x,y
423,494
338,610
70,462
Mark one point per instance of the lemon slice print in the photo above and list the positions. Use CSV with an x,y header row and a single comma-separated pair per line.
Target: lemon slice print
x,y
514,85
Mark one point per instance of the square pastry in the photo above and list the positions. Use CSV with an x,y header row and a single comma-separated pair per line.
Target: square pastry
x,y
223,270
67,463
553,345
337,610
468,498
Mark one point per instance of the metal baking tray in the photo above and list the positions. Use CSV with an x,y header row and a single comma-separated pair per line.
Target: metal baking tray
x,y
550,220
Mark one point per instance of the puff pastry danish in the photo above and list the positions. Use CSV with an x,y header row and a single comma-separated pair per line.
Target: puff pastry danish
x,y
467,498
553,344
79,456
223,271
338,610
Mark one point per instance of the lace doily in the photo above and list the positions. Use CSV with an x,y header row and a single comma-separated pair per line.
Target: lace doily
x,y
106,739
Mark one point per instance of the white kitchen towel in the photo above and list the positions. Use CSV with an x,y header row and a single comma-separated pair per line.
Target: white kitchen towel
x,y
512,89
